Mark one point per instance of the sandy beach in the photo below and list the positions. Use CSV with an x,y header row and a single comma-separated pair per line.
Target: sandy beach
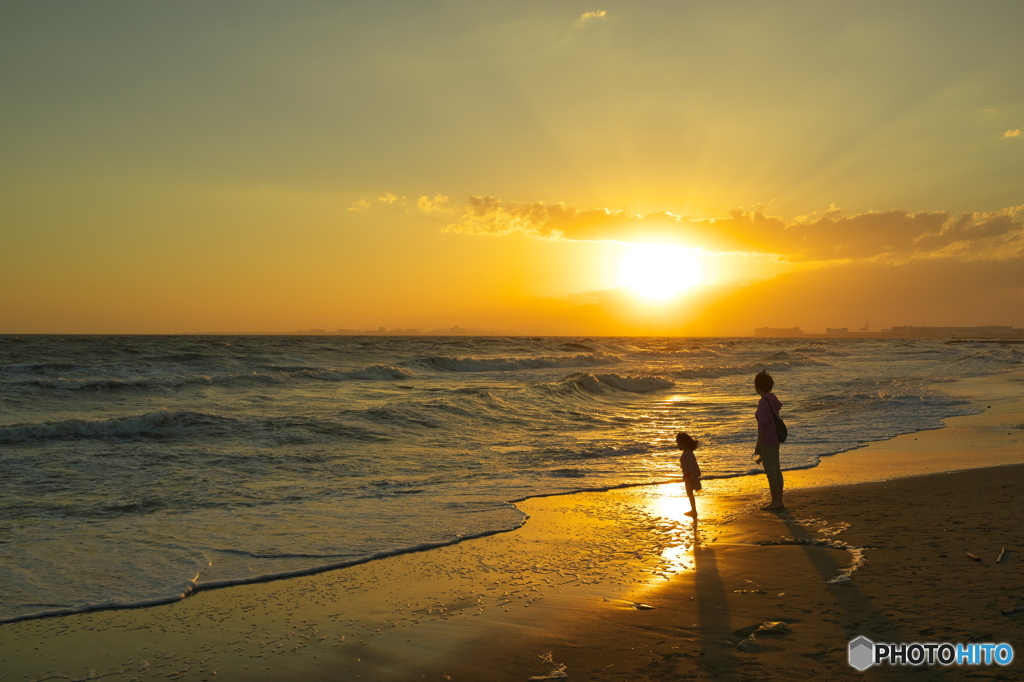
x,y
897,541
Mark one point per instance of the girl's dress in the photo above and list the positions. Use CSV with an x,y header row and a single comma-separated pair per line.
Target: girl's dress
x,y
691,470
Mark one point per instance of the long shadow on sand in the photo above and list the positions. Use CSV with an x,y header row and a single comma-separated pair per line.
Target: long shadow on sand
x,y
716,661
858,614
862,617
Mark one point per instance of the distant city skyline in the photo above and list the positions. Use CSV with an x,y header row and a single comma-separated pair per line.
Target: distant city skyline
x,y
903,332
898,331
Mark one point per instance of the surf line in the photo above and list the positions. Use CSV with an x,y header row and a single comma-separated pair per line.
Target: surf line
x,y
190,587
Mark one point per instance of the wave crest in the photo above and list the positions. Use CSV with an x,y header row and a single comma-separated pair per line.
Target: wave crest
x,y
451,364
372,373
600,383
63,383
278,376
162,422
752,368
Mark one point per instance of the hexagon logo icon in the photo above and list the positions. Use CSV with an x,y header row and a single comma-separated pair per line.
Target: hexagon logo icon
x,y
861,653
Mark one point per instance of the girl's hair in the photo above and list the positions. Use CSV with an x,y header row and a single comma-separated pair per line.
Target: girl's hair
x,y
686,442
763,381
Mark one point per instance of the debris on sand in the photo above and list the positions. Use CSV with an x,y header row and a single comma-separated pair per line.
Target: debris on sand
x,y
557,672
750,645
775,627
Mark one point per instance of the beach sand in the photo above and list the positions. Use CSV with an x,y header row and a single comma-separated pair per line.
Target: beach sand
x,y
620,585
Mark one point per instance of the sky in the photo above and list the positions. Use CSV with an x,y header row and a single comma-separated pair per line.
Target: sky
x,y
188,166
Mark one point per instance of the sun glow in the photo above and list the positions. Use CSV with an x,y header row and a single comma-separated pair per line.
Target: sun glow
x,y
659,271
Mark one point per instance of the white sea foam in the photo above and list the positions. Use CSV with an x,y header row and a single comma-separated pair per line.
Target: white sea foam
x,y
857,559
857,554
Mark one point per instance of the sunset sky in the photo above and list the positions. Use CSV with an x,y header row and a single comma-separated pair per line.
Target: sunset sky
x,y
246,165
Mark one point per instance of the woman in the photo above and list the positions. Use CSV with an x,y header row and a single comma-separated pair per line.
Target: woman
x,y
767,449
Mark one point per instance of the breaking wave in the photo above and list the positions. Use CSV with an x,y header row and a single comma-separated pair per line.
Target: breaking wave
x,y
450,364
66,384
282,375
747,368
600,383
161,422
374,373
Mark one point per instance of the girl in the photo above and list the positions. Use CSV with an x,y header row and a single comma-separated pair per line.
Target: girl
x,y
691,471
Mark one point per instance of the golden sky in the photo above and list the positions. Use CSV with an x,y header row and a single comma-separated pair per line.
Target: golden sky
x,y
265,166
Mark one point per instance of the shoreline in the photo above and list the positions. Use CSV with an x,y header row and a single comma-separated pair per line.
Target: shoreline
x,y
730,484
583,558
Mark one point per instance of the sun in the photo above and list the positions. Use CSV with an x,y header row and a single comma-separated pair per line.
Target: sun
x,y
659,271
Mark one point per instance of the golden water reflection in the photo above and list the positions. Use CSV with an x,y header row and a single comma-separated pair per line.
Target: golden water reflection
x,y
683,533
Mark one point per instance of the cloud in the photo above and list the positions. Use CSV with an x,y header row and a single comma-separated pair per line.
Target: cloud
x,y
438,204
887,236
891,267
596,14
386,198
486,215
1013,133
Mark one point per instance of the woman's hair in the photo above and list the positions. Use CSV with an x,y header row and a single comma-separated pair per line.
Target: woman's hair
x,y
763,381
684,441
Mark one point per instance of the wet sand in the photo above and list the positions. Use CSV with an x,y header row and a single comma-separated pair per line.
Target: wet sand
x,y
572,588
917,583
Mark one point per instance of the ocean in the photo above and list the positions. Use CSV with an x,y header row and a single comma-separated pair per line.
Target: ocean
x,y
134,469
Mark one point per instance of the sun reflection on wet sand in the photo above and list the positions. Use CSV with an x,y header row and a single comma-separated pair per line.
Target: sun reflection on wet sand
x,y
668,504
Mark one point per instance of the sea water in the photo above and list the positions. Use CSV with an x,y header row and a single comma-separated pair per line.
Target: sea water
x,y
135,468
